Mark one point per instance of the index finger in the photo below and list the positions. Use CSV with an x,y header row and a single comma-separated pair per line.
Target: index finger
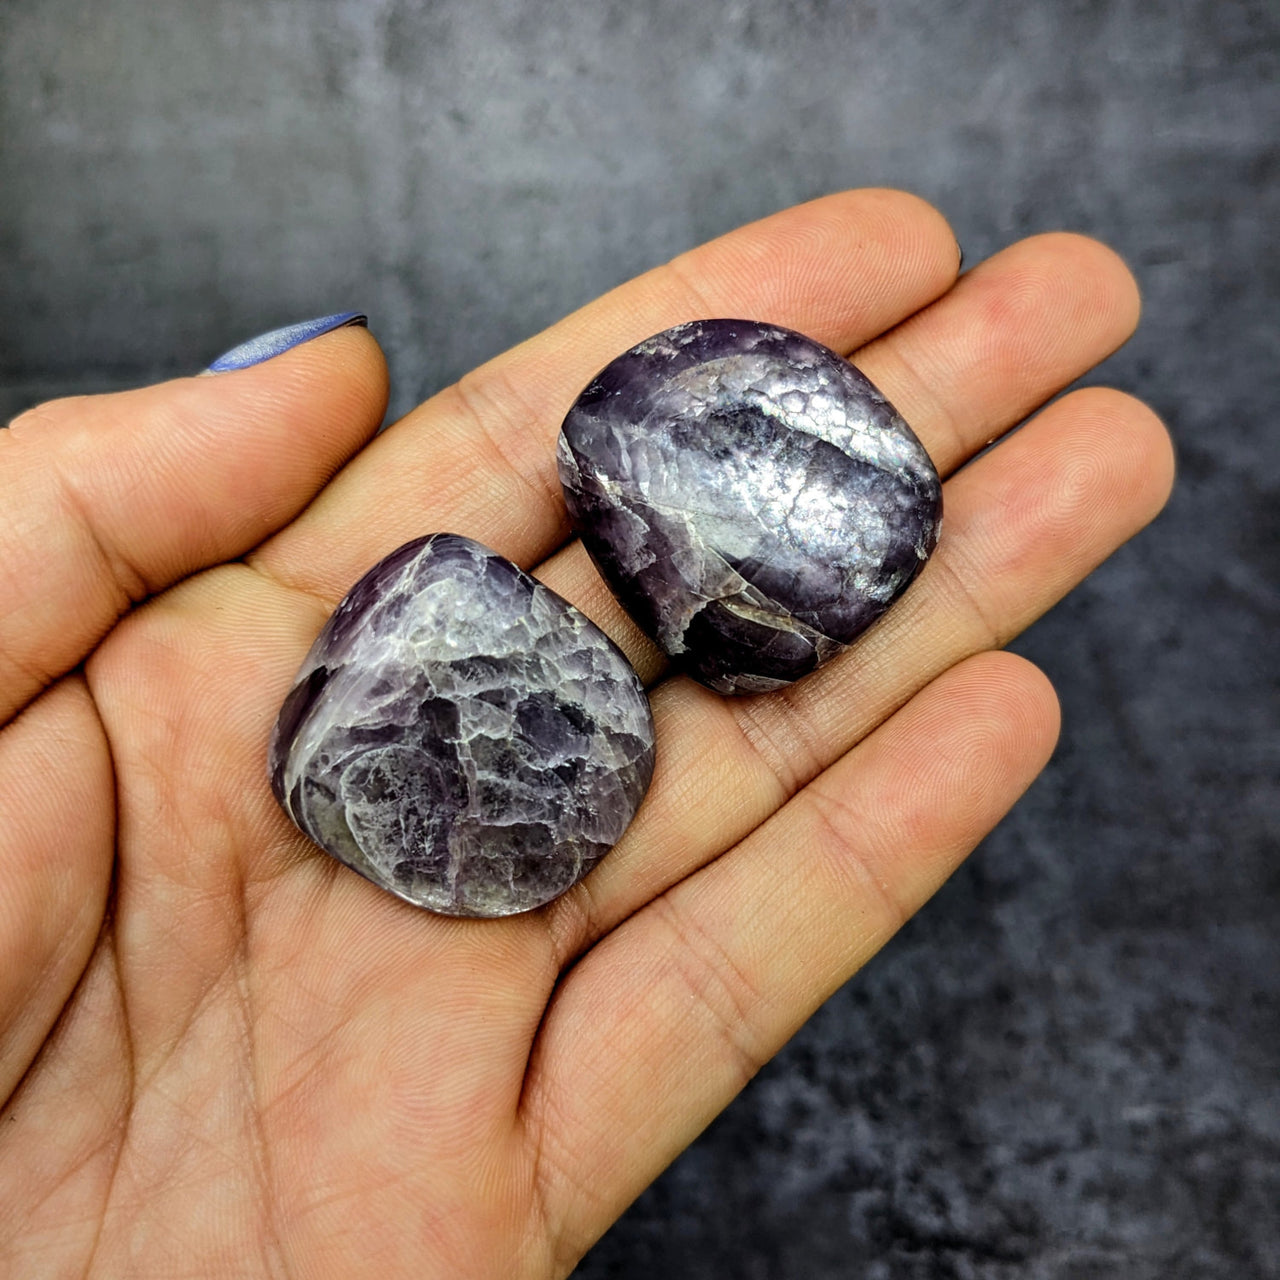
x,y
478,458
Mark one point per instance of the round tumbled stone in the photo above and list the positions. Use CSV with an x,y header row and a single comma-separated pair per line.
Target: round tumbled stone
x,y
750,497
461,735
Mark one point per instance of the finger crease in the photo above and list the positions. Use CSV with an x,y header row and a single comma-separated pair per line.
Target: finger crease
x,y
957,586
480,407
836,819
128,579
934,416
720,985
685,281
781,739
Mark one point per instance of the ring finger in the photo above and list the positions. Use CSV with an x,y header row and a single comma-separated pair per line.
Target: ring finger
x,y
1021,530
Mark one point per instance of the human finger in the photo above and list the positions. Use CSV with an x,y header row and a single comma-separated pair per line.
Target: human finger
x,y
664,1021
108,499
1024,524
1010,335
1013,332
479,458
56,850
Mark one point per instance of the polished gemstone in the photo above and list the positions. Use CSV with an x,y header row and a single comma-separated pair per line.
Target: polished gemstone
x,y
461,735
750,497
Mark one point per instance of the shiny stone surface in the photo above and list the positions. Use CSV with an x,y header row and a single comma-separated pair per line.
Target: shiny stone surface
x,y
462,736
750,497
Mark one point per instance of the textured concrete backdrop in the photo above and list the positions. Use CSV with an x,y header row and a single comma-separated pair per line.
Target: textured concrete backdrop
x,y
1068,1065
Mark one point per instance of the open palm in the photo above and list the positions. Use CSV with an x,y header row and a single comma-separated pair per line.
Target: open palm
x,y
224,1054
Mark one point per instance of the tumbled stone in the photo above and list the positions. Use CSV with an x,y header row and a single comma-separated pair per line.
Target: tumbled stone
x,y
750,497
461,735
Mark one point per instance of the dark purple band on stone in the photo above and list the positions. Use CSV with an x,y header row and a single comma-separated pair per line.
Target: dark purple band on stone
x,y
461,735
750,497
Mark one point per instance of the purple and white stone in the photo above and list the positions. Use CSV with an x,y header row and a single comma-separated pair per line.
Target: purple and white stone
x,y
461,735
750,497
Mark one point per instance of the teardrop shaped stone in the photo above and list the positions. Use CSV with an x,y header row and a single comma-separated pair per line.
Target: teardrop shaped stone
x,y
749,496
461,735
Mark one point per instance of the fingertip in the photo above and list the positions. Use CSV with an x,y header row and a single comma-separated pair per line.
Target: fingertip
x,y
1104,284
966,748
893,205
900,230
919,216
1029,709
1133,443
348,363
299,416
924,236
1000,714
1154,445
842,268
356,355
114,497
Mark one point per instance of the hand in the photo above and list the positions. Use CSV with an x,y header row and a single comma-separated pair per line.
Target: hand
x,y
225,1054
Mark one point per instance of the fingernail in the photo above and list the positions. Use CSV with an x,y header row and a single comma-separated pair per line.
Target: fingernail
x,y
960,250
266,345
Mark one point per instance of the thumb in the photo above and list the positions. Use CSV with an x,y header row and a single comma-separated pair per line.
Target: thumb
x,y
109,499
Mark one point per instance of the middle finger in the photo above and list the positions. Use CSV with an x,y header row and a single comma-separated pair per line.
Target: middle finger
x,y
1009,335
1025,523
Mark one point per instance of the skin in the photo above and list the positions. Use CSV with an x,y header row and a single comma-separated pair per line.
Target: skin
x,y
225,1055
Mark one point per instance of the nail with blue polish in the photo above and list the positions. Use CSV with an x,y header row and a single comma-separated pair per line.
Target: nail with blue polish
x,y
266,345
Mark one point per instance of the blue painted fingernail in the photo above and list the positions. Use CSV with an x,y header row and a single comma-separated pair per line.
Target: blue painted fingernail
x,y
266,345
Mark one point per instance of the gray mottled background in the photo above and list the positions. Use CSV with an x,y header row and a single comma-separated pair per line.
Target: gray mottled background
x,y
1069,1064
